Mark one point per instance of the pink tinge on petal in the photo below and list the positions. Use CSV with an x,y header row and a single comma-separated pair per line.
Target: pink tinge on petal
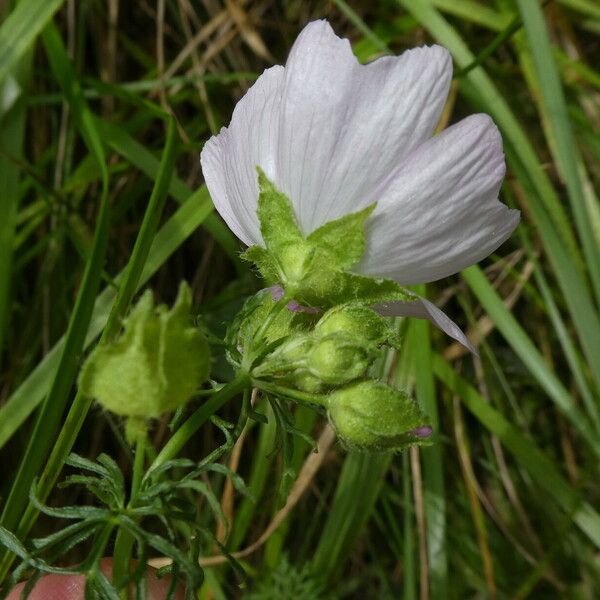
x,y
422,432
438,212
423,309
294,306
326,130
276,292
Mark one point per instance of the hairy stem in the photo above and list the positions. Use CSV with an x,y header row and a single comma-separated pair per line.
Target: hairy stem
x,y
202,414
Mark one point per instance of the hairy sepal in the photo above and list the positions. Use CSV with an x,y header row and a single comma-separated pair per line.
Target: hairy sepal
x,y
314,269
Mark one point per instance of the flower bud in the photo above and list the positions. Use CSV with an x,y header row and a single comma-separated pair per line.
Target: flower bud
x,y
288,363
372,416
288,357
307,383
248,330
338,358
154,366
357,320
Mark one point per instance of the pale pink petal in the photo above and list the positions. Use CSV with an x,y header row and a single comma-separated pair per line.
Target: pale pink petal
x,y
326,130
423,309
229,160
344,126
439,210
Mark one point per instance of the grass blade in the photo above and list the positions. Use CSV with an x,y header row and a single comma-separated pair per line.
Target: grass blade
x,y
12,134
48,420
147,232
529,354
122,143
355,495
564,149
525,452
476,12
23,401
21,28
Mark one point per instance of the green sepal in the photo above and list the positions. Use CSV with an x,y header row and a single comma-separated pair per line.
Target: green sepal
x,y
313,270
154,366
287,358
339,357
343,241
326,287
372,416
359,321
240,339
264,261
306,358
278,223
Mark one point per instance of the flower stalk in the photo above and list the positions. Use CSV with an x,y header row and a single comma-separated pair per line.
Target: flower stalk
x,y
189,428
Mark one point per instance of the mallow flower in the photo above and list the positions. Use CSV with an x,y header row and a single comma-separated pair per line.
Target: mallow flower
x,y
336,136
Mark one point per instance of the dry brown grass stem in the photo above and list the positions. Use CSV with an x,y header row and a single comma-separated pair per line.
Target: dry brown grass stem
x,y
471,487
109,62
485,325
417,479
227,497
248,32
186,10
219,20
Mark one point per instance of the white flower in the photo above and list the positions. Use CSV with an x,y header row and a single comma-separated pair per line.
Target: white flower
x,y
336,136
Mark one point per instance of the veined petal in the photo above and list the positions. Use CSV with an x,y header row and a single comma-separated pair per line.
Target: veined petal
x,y
344,126
423,309
229,159
439,210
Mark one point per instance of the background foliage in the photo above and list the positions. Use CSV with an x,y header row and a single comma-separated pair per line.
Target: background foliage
x,y
503,504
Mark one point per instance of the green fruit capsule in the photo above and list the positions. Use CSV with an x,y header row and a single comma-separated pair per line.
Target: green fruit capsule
x,y
154,366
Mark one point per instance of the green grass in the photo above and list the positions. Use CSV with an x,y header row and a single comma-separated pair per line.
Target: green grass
x,y
102,195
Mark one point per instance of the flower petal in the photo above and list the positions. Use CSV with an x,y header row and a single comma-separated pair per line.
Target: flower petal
x,y
423,309
229,160
345,125
439,212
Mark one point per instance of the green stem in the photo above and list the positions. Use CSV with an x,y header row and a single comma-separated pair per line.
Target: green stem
x,y
202,414
81,404
97,551
124,541
297,395
145,237
138,465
